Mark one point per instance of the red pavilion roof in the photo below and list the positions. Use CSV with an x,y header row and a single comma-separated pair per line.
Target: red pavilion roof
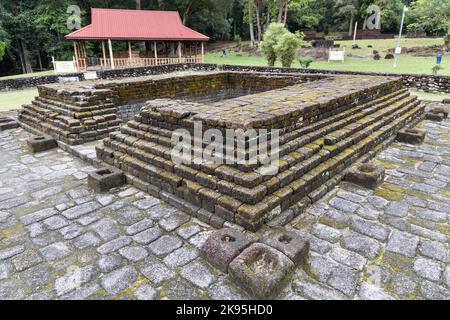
x,y
141,25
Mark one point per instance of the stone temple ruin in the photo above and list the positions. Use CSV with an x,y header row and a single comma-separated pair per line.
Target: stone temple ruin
x,y
326,124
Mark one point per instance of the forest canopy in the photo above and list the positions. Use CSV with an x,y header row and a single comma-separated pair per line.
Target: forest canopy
x,y
32,31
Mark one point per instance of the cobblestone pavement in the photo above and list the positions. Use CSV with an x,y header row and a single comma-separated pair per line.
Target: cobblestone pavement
x,y
59,240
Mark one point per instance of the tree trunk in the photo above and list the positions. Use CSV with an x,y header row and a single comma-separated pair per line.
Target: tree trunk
x,y
250,23
350,29
138,5
39,61
187,12
449,28
258,19
268,17
365,23
285,14
25,56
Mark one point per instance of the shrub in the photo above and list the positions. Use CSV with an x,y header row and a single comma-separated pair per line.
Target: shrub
x,y
376,56
436,69
389,56
355,46
287,48
375,52
271,38
238,40
2,49
306,62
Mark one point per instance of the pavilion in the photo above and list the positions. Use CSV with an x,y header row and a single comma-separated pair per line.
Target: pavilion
x,y
160,31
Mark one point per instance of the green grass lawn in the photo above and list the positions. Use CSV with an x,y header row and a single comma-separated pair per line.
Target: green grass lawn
x,y
431,96
10,100
29,75
407,63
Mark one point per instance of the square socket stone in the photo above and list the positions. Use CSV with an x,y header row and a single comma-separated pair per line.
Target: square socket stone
x,y
223,246
411,136
366,175
41,143
437,117
105,179
440,111
288,242
261,270
8,123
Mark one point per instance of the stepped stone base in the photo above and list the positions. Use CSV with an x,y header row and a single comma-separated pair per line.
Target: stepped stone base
x,y
324,127
77,113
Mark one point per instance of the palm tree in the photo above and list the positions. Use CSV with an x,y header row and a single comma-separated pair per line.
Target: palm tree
x,y
347,8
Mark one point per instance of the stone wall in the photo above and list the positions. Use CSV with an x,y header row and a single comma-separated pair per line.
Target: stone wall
x,y
325,126
82,112
426,83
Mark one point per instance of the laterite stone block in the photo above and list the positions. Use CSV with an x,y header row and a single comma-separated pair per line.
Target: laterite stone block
x,y
261,270
8,123
106,179
411,136
288,242
223,246
41,144
366,175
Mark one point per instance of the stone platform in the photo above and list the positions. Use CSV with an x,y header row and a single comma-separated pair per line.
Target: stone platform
x,y
60,240
324,126
78,113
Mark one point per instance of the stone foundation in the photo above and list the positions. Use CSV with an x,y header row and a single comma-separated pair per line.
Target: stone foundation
x,y
325,126
82,112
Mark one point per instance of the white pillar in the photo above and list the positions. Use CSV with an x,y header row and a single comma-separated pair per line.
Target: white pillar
x,y
180,54
155,48
111,54
203,52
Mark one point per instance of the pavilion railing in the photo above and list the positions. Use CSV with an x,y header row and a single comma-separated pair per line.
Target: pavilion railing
x,y
121,63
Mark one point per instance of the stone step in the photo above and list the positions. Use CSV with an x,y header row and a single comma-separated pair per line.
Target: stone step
x,y
164,146
253,216
258,189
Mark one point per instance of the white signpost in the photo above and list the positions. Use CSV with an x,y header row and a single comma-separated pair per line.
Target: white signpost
x,y
336,56
64,66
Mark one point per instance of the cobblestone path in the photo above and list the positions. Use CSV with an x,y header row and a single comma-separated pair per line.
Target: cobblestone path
x,y
59,240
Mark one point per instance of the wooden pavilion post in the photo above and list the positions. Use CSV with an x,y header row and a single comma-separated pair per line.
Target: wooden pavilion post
x,y
104,54
180,53
155,48
111,54
75,49
203,52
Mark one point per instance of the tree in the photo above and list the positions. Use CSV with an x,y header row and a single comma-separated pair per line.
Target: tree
x,y
287,48
271,37
431,16
2,49
347,9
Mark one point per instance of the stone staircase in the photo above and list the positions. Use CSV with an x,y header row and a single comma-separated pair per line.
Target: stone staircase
x,y
320,136
72,116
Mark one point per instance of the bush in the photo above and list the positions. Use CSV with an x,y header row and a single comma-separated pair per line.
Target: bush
x,y
375,52
271,38
436,69
376,56
355,46
281,44
306,62
238,40
389,56
2,49
287,49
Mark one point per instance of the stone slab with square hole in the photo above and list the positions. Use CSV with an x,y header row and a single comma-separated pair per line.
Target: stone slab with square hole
x,y
223,246
288,242
41,144
8,123
366,175
411,136
261,270
106,179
